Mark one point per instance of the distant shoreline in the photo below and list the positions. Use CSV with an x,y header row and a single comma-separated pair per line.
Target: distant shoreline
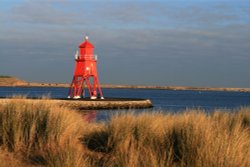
x,y
15,82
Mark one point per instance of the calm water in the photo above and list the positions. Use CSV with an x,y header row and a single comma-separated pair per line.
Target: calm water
x,y
167,100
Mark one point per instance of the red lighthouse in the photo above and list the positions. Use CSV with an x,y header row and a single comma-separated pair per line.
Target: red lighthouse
x,y
85,72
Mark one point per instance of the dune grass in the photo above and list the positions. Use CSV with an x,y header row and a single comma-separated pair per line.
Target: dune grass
x,y
38,134
188,139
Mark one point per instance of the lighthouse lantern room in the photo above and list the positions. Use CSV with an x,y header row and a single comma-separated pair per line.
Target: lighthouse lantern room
x,y
85,73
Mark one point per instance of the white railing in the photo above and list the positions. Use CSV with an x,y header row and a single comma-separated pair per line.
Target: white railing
x,y
86,57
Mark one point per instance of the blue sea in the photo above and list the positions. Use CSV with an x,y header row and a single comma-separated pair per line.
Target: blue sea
x,y
164,100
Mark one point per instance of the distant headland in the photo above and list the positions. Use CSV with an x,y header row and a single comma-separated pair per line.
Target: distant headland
x,y
11,81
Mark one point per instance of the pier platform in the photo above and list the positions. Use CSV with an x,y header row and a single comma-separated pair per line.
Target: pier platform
x,y
89,104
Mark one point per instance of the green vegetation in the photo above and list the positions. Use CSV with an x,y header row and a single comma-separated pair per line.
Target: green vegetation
x,y
5,76
38,134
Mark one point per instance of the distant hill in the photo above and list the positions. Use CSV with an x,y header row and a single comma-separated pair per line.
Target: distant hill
x,y
14,81
11,81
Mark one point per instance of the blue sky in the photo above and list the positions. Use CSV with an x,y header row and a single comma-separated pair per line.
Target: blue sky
x,y
185,43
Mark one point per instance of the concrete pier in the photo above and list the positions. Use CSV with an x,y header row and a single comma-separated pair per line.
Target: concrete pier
x,y
88,104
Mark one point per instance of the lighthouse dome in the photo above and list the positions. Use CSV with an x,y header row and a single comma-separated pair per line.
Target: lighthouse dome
x,y
86,44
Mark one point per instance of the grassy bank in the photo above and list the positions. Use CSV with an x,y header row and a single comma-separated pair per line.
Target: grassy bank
x,y
40,134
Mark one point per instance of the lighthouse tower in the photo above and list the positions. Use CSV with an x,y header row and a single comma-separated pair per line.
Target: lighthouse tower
x,y
85,73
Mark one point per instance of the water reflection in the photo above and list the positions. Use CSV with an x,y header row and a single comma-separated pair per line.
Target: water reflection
x,y
105,115
90,116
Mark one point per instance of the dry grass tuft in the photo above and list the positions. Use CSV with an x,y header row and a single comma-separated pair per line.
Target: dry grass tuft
x,y
18,96
39,134
192,138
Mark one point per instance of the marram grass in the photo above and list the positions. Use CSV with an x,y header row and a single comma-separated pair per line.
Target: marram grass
x,y
41,134
38,134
